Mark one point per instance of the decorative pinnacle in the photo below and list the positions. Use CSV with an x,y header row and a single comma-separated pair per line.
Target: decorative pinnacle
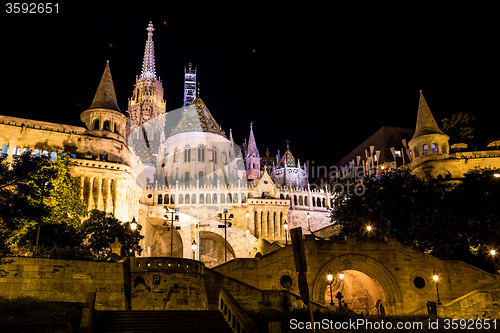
x,y
148,65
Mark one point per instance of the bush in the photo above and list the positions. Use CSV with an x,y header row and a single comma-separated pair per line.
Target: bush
x,y
27,309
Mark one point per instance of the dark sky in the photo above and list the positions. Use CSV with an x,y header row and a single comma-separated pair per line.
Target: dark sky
x,y
323,76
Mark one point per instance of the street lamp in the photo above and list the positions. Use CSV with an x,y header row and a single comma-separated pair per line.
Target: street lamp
x,y
329,276
194,247
369,228
133,224
172,219
225,217
285,226
435,277
493,252
496,174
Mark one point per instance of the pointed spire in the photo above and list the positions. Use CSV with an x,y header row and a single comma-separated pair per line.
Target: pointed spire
x,y
231,136
148,65
252,146
105,97
425,121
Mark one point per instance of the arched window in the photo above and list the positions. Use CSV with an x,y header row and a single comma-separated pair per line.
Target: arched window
x,y
53,155
214,155
5,150
295,199
425,150
214,198
208,198
202,199
313,201
235,198
187,154
96,124
186,178
443,148
166,199
306,201
193,199
201,178
434,148
243,198
160,199
229,200
318,202
172,199
222,198
187,199
301,200
181,199
36,153
201,154
106,126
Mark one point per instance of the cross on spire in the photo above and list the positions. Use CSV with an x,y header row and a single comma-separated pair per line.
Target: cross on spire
x,y
148,65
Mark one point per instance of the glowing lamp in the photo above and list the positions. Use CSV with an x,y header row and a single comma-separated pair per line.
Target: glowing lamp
x,y
435,277
194,246
496,174
341,276
369,228
329,276
493,252
133,224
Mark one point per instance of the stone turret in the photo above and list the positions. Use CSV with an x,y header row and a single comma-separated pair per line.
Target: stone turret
x,y
104,118
252,157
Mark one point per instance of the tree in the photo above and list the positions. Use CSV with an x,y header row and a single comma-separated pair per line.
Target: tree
x,y
102,228
40,191
462,128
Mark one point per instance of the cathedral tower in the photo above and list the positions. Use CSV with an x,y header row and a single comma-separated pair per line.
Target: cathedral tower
x,y
252,157
147,100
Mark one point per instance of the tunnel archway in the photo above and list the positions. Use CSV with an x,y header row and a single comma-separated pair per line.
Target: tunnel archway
x,y
367,284
162,239
212,249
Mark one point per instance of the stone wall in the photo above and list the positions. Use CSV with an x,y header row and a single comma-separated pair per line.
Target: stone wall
x,y
66,281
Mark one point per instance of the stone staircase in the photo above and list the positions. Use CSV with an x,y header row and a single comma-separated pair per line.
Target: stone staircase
x,y
159,321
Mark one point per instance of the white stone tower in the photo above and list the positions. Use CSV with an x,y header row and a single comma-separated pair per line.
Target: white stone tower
x,y
147,100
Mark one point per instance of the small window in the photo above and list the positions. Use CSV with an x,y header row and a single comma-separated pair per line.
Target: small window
x,y
96,124
419,282
425,150
434,148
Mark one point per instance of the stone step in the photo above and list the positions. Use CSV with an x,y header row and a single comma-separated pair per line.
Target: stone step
x,y
159,321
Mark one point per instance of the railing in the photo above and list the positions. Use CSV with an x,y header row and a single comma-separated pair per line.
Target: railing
x,y
88,313
234,314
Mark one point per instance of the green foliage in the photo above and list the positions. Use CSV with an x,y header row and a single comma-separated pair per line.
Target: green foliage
x,y
440,218
102,229
462,128
26,309
41,190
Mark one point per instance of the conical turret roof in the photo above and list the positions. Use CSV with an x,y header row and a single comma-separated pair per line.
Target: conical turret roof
x,y
198,119
105,96
426,124
252,145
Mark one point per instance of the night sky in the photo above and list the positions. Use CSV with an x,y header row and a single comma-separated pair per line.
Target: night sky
x,y
323,76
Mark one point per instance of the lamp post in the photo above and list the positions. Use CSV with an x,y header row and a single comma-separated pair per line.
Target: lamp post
x,y
194,247
339,294
224,216
285,226
493,252
45,185
171,220
435,277
329,276
133,224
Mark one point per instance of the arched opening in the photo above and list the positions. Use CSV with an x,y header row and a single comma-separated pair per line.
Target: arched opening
x,y
425,149
212,249
106,126
434,148
95,124
360,292
161,244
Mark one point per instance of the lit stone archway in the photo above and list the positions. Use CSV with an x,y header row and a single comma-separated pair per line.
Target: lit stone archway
x,y
367,283
212,249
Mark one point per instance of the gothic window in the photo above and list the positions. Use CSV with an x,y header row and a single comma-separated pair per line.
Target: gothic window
x,y
172,199
306,201
214,198
202,199
187,199
425,150
166,199
301,200
175,154
193,198
160,199
181,199
313,201
201,154
187,154
243,198
318,202
434,148
186,178
208,198
229,199
214,155
235,198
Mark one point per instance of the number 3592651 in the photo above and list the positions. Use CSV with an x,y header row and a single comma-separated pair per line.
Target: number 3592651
x,y
31,8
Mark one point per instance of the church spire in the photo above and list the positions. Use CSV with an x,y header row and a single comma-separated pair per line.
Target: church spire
x,y
105,96
252,146
426,124
148,65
